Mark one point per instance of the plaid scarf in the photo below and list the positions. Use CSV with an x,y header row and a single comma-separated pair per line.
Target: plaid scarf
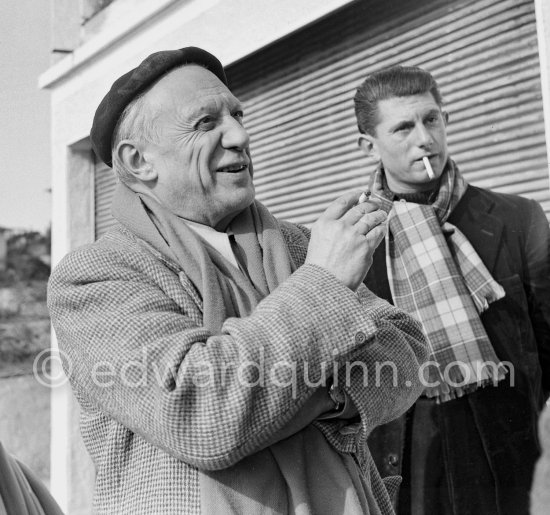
x,y
436,275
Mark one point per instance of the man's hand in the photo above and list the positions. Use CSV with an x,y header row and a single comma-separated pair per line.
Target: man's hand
x,y
344,238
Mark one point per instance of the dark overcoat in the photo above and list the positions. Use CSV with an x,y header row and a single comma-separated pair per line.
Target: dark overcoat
x,y
489,437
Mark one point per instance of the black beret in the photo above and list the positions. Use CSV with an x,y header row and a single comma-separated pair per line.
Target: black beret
x,y
131,84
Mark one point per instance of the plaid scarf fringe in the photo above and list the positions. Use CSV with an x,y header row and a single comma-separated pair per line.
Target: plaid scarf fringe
x,y
455,383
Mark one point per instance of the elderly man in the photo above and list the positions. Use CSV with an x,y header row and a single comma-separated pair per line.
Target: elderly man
x,y
224,362
472,266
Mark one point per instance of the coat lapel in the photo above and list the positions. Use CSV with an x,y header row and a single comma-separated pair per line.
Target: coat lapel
x,y
473,217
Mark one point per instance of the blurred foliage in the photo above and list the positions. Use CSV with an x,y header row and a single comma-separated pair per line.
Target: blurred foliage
x,y
16,345
24,321
21,340
25,258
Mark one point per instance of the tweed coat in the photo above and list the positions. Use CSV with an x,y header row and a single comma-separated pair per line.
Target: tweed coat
x,y
121,308
489,437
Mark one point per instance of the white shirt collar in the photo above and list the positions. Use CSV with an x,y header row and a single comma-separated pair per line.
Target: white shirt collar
x,y
218,240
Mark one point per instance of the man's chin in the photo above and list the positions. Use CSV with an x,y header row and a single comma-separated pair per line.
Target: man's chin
x,y
246,203
235,206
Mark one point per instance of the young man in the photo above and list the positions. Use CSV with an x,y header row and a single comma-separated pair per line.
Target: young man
x,y
198,330
472,266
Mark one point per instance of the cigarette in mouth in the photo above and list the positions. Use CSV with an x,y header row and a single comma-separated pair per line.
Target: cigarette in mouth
x,y
428,166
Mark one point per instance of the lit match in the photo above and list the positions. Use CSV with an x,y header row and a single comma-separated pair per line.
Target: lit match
x,y
428,166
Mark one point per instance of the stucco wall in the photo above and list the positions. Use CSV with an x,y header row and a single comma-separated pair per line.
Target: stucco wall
x,y
25,422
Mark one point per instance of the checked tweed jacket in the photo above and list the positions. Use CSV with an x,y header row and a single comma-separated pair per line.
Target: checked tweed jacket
x,y
119,307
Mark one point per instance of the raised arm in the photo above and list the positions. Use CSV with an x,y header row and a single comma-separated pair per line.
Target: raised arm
x,y
137,351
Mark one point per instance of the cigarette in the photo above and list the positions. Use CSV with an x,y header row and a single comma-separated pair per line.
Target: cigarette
x,y
364,197
428,166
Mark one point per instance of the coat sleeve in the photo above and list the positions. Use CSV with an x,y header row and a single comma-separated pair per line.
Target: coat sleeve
x,y
382,377
537,284
209,399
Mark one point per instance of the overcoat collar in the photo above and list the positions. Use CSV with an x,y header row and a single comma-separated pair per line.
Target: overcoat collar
x,y
483,230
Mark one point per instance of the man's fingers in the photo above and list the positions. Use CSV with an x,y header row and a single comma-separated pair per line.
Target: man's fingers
x,y
376,235
341,205
370,220
357,212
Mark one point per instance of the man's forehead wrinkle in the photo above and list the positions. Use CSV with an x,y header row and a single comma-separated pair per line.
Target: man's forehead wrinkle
x,y
405,113
189,92
206,102
217,95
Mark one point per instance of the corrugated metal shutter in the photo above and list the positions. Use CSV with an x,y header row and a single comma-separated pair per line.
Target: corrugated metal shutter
x,y
298,97
104,186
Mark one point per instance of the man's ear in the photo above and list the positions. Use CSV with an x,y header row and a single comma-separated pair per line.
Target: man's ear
x,y
132,155
445,117
367,145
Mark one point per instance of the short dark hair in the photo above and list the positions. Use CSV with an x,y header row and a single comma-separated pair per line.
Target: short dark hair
x,y
395,81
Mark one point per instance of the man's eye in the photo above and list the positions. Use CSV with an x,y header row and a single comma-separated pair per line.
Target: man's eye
x,y
402,128
238,114
205,121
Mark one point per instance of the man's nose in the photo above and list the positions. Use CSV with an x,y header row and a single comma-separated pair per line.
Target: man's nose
x,y
234,134
423,136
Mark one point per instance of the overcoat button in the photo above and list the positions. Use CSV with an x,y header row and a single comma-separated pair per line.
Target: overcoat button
x,y
393,460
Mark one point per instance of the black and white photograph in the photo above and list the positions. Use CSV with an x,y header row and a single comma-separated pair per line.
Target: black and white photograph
x,y
275,257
